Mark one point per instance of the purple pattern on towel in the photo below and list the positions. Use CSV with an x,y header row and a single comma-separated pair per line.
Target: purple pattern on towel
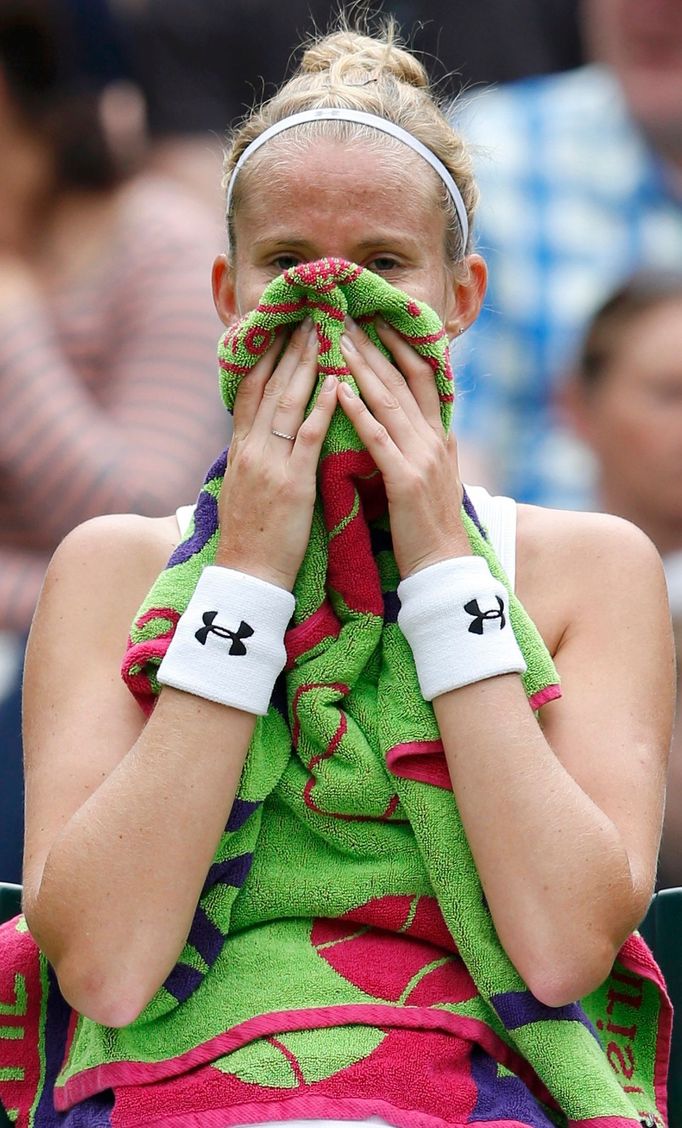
x,y
471,512
205,518
279,700
57,1018
391,606
233,871
206,937
183,982
380,540
95,1112
502,1098
518,1008
242,809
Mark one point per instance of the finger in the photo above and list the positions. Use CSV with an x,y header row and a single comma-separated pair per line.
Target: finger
x,y
292,404
387,398
417,372
384,367
380,444
250,392
311,433
391,370
286,395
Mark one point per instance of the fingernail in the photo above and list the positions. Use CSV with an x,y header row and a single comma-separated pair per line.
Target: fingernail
x,y
345,388
307,324
349,323
380,323
346,343
328,383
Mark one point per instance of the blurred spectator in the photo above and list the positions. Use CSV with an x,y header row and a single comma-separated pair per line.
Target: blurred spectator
x,y
97,44
484,41
581,183
202,63
625,402
107,333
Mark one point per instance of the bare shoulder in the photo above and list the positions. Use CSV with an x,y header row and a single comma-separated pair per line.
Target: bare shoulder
x,y
567,539
115,557
566,561
94,585
79,718
119,536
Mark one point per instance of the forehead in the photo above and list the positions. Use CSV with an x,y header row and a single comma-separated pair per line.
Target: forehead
x,y
649,341
658,326
310,181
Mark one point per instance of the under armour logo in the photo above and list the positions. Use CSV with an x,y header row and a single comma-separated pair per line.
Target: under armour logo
x,y
243,631
480,617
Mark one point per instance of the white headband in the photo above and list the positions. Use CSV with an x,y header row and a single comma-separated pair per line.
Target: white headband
x,y
336,113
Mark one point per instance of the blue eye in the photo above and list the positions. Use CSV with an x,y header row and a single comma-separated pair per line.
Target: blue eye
x,y
383,264
285,262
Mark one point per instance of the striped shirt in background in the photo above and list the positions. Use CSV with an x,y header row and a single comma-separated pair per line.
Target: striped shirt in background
x,y
572,201
109,389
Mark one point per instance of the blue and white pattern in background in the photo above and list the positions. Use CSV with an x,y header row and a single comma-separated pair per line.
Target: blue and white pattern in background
x,y
572,202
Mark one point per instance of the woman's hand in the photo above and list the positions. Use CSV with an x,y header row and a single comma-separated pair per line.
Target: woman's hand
x,y
266,502
399,423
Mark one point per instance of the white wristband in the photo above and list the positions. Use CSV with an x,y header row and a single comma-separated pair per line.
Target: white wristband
x,y
228,646
455,616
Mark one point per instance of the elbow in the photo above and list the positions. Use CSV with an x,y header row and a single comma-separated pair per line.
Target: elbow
x,y
115,1000
108,994
110,987
565,967
557,991
566,979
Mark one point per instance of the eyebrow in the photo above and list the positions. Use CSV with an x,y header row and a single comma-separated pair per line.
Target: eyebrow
x,y
280,241
380,239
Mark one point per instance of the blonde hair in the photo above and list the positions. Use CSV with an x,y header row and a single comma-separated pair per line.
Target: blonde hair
x,y
372,73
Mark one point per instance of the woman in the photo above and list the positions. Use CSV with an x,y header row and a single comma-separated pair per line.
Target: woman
x,y
562,817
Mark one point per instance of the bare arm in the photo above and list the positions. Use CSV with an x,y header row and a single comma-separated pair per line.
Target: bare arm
x,y
563,819
123,820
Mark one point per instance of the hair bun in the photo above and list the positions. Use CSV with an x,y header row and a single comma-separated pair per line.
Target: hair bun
x,y
347,56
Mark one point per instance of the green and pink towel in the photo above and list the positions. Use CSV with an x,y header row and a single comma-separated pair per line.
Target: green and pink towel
x,y
342,962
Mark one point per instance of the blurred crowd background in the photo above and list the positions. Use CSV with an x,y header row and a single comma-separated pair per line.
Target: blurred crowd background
x,y
113,115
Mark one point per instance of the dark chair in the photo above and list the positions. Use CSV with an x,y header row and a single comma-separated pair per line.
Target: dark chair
x,y
10,900
661,928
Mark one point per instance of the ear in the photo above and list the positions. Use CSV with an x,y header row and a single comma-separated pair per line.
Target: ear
x,y
466,297
224,297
